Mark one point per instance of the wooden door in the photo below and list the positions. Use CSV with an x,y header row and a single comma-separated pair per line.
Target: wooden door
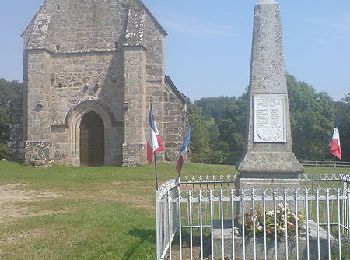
x,y
91,140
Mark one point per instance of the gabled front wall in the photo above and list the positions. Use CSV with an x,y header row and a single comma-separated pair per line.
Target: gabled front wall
x,y
78,62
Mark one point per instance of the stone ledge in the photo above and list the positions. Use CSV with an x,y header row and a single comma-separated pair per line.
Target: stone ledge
x,y
270,164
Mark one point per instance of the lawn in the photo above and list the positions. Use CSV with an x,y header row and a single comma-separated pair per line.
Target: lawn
x,y
85,213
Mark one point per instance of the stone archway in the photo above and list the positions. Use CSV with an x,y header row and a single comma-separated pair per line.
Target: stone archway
x,y
91,150
112,130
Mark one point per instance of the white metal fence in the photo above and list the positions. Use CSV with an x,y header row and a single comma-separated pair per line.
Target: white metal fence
x,y
207,218
167,216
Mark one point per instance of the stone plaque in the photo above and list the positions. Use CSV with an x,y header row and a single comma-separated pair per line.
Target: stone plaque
x,y
269,118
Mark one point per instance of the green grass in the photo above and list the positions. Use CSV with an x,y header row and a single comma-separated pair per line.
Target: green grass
x,y
92,230
87,213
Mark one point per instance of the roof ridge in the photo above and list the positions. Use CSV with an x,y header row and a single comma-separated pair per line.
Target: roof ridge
x,y
175,89
158,25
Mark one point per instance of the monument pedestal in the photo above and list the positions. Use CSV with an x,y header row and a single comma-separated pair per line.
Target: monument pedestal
x,y
267,164
274,189
268,184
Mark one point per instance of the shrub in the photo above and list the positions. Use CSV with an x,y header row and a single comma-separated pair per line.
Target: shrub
x,y
3,151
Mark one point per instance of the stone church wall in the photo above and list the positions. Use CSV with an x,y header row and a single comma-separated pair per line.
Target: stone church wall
x,y
108,59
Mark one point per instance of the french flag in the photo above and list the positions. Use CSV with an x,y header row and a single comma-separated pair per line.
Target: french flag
x,y
183,151
334,145
155,142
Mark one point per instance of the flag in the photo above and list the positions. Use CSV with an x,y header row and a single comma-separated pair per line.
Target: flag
x,y
334,145
155,142
183,151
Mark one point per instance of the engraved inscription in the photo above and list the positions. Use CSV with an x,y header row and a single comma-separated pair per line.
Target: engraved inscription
x,y
269,118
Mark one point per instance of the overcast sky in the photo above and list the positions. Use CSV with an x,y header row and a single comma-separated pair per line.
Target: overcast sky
x,y
209,42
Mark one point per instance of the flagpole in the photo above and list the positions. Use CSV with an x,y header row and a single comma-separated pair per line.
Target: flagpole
x,y
334,162
155,169
154,153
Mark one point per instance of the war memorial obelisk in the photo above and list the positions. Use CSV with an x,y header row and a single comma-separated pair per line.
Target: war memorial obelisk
x,y
268,160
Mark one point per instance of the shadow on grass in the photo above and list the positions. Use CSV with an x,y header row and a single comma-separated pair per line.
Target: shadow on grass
x,y
145,236
148,235
13,159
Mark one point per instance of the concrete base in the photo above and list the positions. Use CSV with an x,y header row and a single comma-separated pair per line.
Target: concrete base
x,y
268,184
277,164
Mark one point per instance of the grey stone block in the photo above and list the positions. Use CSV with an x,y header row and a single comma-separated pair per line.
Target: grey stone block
x,y
223,240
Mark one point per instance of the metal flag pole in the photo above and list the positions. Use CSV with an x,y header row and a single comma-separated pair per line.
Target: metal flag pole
x,y
154,153
335,162
155,169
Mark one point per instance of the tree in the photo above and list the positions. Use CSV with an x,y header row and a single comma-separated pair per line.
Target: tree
x,y
9,91
346,99
312,118
232,128
4,125
200,145
212,107
226,122
343,117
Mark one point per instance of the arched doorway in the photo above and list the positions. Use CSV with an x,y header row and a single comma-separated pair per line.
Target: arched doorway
x,y
91,140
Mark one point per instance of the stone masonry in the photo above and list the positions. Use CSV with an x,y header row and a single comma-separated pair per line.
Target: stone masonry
x,y
268,159
102,57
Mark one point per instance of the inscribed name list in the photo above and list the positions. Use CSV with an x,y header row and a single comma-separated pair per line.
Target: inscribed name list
x,y
269,118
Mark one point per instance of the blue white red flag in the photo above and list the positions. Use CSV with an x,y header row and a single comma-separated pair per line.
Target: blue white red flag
x,y
334,145
155,142
183,151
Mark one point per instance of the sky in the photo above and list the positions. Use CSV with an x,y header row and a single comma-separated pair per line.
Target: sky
x,y
208,46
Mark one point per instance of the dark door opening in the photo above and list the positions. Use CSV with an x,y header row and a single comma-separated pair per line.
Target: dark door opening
x,y
91,140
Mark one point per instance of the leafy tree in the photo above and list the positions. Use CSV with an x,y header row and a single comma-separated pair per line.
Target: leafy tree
x,y
312,118
4,125
346,99
212,107
9,91
200,145
232,128
343,116
227,123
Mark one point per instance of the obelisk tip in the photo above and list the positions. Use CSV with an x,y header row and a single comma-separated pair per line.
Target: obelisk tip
x,y
266,2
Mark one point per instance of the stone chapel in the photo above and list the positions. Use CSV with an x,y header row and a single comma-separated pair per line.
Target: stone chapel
x,y
90,69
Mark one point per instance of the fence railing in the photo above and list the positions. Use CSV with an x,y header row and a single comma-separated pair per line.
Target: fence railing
x,y
203,218
325,163
167,221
